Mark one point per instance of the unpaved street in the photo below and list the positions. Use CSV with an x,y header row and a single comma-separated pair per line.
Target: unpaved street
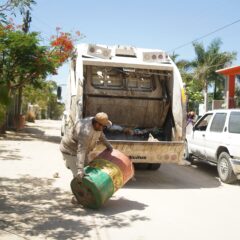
x,y
175,202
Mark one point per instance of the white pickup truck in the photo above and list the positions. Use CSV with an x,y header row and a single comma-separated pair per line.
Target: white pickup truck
x,y
215,138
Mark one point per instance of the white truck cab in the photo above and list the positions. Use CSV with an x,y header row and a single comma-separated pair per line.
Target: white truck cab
x,y
215,138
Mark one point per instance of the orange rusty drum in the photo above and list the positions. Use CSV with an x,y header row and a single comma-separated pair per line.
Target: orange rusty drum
x,y
121,160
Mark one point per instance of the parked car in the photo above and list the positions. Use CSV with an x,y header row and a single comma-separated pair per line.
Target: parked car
x,y
215,138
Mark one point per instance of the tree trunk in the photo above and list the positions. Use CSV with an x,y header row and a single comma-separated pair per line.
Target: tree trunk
x,y
19,107
3,127
19,118
215,89
206,96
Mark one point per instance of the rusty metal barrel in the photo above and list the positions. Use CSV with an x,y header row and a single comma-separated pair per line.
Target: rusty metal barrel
x,y
108,172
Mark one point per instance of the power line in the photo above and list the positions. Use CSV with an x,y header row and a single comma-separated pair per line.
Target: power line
x,y
206,35
50,27
44,23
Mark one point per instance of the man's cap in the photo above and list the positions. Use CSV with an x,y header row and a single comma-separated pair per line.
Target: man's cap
x,y
102,118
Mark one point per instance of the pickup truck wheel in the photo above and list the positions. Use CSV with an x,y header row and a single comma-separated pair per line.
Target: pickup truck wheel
x,y
154,166
224,168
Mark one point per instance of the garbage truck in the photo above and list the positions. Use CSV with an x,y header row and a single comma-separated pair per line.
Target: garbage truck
x,y
142,92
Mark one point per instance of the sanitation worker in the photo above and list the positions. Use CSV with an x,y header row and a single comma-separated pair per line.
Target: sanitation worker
x,y
76,145
190,122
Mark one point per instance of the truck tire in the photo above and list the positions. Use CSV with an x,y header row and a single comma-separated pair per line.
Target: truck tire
x,y
140,166
154,166
224,168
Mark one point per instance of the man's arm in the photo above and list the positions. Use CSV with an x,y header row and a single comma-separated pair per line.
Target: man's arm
x,y
104,140
81,154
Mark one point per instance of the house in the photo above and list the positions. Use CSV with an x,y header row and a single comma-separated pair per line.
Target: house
x,y
232,86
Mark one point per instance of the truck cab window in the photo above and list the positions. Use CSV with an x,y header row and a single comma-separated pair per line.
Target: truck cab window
x,y
234,123
203,123
218,122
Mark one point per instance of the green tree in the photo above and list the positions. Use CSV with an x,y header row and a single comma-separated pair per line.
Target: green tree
x,y
22,60
45,96
4,102
193,88
206,63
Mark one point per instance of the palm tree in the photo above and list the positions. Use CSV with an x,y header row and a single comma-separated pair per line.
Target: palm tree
x,y
206,63
193,90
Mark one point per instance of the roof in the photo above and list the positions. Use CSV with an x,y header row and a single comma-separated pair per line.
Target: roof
x,y
224,110
115,61
229,71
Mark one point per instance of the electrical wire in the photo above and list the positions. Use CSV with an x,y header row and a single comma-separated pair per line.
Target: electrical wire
x,y
43,22
206,35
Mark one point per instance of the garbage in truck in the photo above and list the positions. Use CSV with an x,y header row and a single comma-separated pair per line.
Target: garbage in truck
x,y
137,133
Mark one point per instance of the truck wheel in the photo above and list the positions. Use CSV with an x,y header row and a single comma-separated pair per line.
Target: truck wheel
x,y
154,166
140,166
224,168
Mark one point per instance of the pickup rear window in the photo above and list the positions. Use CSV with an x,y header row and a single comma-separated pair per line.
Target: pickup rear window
x,y
234,122
218,122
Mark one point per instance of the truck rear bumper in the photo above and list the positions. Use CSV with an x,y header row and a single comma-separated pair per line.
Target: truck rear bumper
x,y
149,152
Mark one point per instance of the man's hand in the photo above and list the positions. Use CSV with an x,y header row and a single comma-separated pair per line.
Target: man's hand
x,y
110,148
79,176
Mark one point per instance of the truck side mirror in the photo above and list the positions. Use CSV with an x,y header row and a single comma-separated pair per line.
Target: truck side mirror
x,y
59,93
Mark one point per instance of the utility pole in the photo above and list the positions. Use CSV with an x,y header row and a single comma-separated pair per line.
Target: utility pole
x,y
26,21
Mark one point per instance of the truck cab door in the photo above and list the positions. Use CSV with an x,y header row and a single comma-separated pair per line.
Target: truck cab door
x,y
198,137
215,135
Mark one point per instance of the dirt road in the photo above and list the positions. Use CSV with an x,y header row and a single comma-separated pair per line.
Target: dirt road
x,y
175,202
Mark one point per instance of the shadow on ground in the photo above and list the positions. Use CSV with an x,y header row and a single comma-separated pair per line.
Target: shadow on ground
x,y
30,133
32,207
14,154
172,176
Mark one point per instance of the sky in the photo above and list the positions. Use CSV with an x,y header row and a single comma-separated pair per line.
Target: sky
x,y
141,23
